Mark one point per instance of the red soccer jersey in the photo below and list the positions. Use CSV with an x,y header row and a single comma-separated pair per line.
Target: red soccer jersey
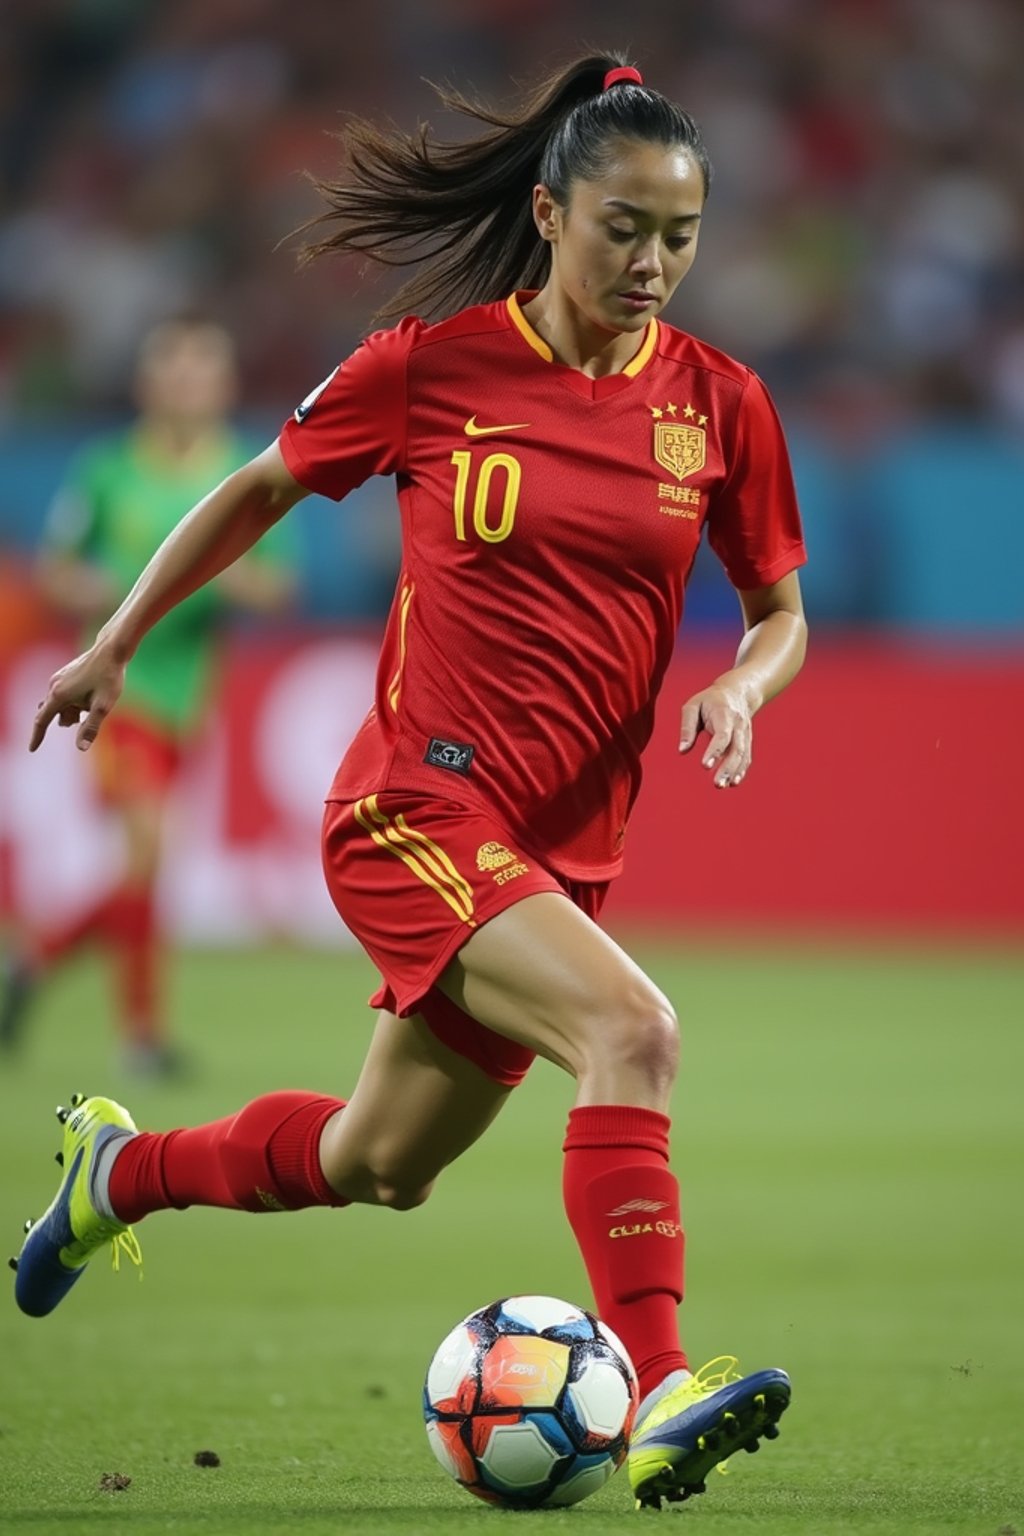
x,y
550,522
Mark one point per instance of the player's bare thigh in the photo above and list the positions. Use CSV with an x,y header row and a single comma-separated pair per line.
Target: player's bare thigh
x,y
142,819
415,1108
543,973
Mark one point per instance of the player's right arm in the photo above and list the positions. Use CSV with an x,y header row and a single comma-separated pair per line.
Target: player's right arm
x,y
209,538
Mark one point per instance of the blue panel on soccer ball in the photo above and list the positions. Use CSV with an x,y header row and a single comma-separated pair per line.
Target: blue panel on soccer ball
x,y
582,1463
554,1432
570,1332
572,1421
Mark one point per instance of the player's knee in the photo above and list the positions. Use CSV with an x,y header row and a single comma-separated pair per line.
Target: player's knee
x,y
643,1037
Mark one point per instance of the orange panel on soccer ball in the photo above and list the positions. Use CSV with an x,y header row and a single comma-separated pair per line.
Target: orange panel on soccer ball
x,y
523,1371
461,1461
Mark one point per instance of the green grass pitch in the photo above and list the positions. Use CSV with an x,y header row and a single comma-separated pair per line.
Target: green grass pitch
x,y
848,1135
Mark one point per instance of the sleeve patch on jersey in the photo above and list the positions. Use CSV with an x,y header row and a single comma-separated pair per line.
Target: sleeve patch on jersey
x,y
456,756
303,410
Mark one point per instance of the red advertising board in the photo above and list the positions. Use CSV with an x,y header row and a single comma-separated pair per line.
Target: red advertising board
x,y
884,795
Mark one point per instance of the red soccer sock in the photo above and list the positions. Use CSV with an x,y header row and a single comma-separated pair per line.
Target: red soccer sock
x,y
623,1207
265,1158
130,929
52,947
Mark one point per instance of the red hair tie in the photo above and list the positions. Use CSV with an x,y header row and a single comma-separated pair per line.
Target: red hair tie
x,y
626,72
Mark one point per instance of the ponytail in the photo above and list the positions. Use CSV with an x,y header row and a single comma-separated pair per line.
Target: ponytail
x,y
464,210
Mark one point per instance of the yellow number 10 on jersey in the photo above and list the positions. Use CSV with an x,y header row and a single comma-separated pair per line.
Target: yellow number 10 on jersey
x,y
513,474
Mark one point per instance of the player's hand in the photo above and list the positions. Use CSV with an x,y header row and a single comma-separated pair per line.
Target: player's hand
x,y
90,686
725,715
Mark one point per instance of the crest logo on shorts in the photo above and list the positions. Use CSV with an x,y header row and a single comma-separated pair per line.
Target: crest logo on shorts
x,y
680,445
493,856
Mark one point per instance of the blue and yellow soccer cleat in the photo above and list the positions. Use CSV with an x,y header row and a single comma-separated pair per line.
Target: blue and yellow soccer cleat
x,y
685,1429
59,1245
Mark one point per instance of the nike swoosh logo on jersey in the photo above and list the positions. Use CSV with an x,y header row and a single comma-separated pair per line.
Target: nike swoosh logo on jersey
x,y
303,410
472,430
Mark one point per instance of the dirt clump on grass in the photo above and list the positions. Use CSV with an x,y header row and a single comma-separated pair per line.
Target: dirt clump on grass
x,y
114,1482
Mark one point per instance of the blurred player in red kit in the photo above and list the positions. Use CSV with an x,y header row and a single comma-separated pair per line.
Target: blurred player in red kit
x,y
558,451
122,495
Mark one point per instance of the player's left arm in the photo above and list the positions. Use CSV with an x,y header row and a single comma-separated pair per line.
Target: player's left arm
x,y
770,655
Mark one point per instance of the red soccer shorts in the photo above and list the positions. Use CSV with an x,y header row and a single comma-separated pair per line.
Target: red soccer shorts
x,y
414,877
134,759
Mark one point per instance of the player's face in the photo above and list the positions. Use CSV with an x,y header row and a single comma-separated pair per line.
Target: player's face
x,y
624,243
186,373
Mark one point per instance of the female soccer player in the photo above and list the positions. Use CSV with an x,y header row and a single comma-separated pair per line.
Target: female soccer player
x,y
558,450
123,495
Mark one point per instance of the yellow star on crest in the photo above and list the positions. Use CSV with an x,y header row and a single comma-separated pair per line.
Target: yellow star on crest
x,y
688,411
701,421
657,412
672,408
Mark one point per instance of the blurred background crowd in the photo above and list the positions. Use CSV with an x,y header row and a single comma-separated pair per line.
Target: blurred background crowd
x,y
863,249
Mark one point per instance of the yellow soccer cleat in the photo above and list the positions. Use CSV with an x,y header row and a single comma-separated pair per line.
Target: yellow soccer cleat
x,y
59,1245
686,1427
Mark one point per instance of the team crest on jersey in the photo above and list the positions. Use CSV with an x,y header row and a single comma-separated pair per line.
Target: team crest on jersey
x,y
680,441
493,856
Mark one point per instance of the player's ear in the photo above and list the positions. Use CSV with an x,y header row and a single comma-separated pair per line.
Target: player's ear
x,y
545,212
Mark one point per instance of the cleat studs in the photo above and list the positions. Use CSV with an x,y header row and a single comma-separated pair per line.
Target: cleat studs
x,y
76,1099
752,1446
12,1262
28,1224
702,1443
772,1431
58,1158
62,1114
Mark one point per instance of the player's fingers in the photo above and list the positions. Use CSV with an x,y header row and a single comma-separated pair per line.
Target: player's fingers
x,y
690,727
90,727
721,740
737,760
70,714
737,778
41,723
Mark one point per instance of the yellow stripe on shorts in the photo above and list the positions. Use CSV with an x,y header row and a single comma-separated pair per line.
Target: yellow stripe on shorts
x,y
427,860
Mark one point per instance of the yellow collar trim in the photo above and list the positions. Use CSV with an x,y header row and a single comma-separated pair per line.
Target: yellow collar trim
x,y
646,352
633,367
527,331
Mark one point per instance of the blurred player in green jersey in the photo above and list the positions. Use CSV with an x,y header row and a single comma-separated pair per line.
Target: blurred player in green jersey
x,y
123,495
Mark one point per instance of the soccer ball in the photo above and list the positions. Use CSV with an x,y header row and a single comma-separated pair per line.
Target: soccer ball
x,y
530,1402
